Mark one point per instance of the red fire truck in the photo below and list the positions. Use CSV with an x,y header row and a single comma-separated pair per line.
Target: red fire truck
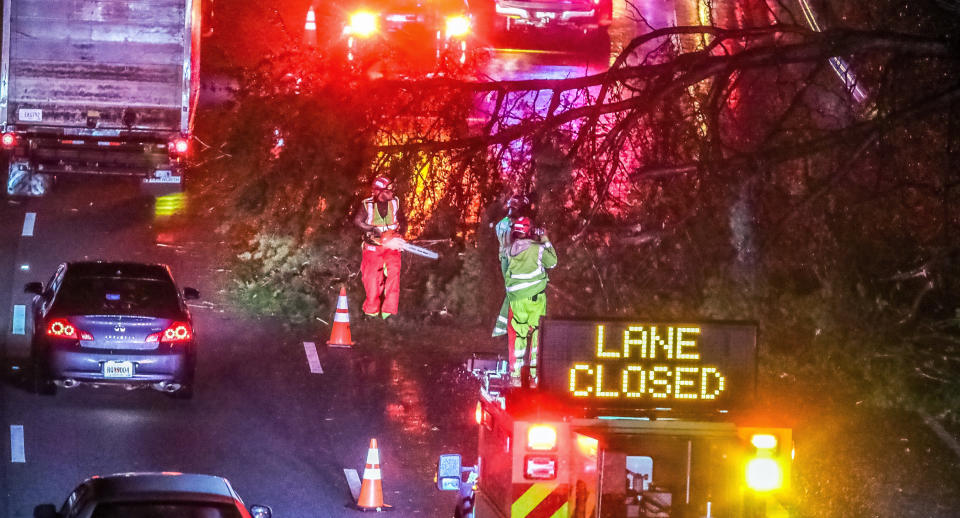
x,y
628,419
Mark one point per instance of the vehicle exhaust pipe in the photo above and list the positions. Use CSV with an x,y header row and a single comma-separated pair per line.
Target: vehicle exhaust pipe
x,y
169,388
69,383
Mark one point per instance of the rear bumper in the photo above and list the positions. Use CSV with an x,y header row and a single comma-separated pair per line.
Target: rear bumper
x,y
49,151
149,367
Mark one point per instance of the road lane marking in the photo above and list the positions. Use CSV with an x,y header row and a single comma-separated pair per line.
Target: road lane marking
x,y
312,358
353,482
19,319
16,444
28,222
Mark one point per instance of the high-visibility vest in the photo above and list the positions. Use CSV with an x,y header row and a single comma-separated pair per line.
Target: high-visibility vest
x,y
382,222
527,269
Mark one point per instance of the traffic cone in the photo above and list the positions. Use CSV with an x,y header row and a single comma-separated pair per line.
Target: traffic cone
x,y
310,28
371,490
340,335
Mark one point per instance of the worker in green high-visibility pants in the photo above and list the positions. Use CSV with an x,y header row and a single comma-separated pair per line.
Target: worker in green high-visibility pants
x,y
528,258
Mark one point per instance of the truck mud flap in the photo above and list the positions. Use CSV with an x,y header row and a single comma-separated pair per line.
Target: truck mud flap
x,y
162,183
22,181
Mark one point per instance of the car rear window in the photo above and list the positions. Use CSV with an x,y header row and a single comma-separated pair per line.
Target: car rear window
x,y
164,510
117,296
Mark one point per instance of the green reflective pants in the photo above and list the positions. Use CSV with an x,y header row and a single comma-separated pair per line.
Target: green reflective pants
x,y
526,322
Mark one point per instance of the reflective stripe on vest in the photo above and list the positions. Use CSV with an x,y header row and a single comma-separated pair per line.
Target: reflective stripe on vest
x,y
531,275
523,285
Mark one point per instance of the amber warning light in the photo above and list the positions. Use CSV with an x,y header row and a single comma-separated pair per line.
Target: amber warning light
x,y
650,365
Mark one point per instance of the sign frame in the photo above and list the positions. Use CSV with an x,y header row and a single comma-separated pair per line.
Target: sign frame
x,y
738,340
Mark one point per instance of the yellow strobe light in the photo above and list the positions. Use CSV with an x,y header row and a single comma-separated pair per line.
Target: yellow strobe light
x,y
764,474
457,26
764,441
363,23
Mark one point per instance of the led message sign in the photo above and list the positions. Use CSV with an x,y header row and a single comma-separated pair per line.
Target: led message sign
x,y
645,365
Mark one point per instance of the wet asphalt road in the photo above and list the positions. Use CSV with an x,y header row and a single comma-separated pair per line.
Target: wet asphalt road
x,y
279,432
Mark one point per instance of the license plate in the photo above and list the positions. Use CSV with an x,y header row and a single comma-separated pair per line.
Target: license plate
x,y
546,15
30,114
163,176
117,369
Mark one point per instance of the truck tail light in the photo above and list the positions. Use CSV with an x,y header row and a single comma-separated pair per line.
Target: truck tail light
x,y
540,467
479,413
62,328
763,472
177,332
541,437
8,140
179,146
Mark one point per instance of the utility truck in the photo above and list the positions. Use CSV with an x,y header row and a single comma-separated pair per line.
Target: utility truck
x,y
98,87
626,420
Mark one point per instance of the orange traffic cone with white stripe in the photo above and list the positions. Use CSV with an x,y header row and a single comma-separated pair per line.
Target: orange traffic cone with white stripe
x,y
371,490
340,335
310,28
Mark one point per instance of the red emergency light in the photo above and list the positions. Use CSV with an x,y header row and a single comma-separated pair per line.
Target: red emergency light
x,y
179,146
540,467
8,140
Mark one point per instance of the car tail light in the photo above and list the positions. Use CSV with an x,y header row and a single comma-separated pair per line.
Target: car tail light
x,y
540,467
541,437
177,332
8,140
179,146
62,328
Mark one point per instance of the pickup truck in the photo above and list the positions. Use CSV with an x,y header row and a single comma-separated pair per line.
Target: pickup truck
x,y
98,87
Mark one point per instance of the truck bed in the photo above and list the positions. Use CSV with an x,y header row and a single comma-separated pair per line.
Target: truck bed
x,y
105,64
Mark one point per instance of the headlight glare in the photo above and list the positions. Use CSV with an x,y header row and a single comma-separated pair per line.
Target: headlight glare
x,y
457,26
363,23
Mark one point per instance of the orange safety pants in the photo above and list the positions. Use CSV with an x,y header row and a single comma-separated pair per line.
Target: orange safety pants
x,y
380,270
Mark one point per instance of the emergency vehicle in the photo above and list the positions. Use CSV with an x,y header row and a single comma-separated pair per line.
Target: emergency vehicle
x,y
539,15
627,419
412,32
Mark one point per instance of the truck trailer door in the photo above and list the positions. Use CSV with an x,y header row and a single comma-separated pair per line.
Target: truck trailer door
x,y
654,476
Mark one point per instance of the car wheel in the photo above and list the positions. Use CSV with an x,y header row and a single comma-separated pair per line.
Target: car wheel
x,y
42,384
40,376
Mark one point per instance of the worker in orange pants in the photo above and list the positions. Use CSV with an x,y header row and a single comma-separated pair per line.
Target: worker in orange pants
x,y
380,218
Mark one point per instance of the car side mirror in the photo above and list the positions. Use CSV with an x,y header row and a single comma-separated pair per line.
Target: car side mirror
x,y
45,510
191,294
448,472
261,511
33,287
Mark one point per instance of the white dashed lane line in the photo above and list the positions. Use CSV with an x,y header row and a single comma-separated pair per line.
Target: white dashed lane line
x,y
16,444
312,358
19,319
28,222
